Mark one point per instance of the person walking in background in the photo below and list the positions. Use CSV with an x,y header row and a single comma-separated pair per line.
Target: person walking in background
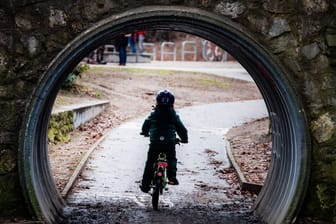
x,y
90,58
132,42
141,38
121,43
100,55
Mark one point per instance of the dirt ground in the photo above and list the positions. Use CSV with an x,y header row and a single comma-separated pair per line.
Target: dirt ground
x,y
251,147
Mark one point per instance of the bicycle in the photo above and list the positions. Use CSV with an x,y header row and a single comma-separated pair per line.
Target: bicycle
x,y
211,52
160,180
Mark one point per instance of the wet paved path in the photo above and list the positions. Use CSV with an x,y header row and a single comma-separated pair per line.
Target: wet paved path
x,y
111,179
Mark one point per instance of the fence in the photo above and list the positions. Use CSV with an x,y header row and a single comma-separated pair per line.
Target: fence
x,y
168,46
185,46
152,53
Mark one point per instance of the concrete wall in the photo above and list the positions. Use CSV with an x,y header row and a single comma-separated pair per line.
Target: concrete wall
x,y
83,112
65,119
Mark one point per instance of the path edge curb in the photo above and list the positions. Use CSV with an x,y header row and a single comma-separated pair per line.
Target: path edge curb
x,y
244,184
81,165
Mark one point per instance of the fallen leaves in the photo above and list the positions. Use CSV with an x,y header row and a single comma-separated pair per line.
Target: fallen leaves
x,y
252,149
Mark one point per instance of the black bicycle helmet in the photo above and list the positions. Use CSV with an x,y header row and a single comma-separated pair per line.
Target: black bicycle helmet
x,y
165,97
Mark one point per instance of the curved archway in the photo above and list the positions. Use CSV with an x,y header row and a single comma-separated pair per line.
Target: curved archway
x,y
284,189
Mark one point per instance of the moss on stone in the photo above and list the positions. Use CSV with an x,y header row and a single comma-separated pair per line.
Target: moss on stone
x,y
321,200
7,161
323,128
60,126
326,193
10,196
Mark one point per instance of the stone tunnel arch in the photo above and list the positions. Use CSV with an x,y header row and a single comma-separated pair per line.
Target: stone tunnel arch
x,y
285,187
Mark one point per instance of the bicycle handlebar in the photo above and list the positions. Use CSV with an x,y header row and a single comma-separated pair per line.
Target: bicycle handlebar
x,y
177,140
146,135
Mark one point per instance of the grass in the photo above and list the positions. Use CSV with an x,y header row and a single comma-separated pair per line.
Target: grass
x,y
62,100
213,83
204,80
134,70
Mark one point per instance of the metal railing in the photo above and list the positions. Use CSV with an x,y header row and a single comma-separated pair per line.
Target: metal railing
x,y
152,53
189,44
168,45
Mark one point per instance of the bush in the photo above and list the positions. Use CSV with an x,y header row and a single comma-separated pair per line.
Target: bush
x,y
77,72
60,126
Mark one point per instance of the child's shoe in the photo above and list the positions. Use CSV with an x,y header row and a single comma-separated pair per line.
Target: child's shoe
x,y
173,181
144,189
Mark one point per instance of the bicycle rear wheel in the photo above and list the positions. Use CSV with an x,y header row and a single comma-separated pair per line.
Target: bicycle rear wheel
x,y
156,194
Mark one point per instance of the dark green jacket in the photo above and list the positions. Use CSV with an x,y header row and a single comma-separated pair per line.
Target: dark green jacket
x,y
163,124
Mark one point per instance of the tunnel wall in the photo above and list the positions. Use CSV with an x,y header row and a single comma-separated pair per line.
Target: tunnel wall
x,y
301,34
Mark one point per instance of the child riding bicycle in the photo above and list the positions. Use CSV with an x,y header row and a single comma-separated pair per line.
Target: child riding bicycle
x,y
161,126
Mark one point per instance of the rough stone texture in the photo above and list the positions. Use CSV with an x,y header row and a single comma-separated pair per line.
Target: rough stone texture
x,y
284,41
279,27
259,21
331,37
323,128
315,6
10,195
276,6
7,161
232,9
310,51
301,33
